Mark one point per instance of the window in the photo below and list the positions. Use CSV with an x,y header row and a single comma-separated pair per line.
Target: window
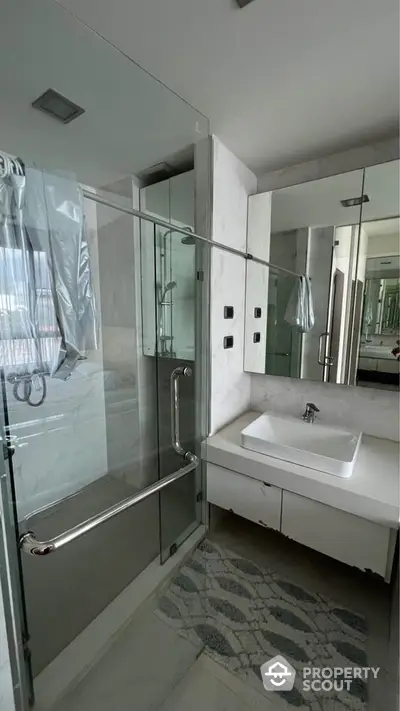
x,y
28,323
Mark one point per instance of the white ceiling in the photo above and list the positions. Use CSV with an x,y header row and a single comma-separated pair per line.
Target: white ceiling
x,y
130,122
282,81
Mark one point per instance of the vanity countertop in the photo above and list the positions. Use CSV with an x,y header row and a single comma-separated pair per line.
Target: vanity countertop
x,y
372,492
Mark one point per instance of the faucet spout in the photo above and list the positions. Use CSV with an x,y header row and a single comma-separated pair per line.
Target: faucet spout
x,y
309,412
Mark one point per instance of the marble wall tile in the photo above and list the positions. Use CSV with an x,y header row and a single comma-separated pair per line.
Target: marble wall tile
x,y
230,386
374,412
6,689
61,445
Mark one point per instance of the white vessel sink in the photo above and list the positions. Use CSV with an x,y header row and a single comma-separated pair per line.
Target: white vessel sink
x,y
376,352
318,446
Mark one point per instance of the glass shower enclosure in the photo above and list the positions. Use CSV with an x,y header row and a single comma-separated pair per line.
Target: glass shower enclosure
x,y
104,474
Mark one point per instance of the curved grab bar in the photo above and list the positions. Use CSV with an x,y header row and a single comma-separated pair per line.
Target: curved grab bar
x,y
29,543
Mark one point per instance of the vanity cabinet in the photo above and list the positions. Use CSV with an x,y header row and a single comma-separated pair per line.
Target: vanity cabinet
x,y
250,498
341,535
344,536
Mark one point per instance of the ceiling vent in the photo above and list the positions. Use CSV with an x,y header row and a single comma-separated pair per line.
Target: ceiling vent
x,y
243,3
354,202
58,106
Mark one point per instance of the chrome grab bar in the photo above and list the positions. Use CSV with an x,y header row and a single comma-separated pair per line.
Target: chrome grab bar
x,y
28,541
175,430
29,544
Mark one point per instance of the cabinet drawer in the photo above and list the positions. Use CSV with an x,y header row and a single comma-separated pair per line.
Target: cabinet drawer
x,y
341,535
247,497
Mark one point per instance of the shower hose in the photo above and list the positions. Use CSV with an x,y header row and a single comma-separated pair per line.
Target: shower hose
x,y
23,386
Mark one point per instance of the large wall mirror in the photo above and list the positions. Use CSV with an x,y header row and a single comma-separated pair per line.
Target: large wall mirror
x,y
341,232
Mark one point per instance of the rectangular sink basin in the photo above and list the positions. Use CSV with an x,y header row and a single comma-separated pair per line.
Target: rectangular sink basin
x,y
318,446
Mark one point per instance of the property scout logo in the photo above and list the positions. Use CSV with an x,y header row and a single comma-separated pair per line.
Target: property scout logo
x,y
279,675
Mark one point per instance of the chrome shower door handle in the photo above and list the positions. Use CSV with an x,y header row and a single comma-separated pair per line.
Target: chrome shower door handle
x,y
324,360
175,416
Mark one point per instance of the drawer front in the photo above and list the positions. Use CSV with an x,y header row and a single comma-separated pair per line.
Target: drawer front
x,y
247,497
388,366
367,363
338,534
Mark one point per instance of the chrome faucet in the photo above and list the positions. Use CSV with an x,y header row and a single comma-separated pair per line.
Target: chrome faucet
x,y
309,413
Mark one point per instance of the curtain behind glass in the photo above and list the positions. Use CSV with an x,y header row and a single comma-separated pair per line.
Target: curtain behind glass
x,y
47,309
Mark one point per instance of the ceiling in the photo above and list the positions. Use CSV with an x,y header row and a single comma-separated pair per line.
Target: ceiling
x,y
130,122
281,81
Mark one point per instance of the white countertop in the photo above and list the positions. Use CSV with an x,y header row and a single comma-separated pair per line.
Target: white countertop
x,y
373,490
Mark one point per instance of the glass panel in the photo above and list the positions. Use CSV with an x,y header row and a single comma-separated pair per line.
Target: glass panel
x,y
284,354
84,443
178,261
377,320
178,347
85,448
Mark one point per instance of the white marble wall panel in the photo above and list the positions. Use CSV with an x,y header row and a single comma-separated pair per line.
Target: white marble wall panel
x,y
230,386
374,412
61,446
257,280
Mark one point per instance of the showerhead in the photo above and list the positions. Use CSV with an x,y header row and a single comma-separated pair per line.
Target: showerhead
x,y
171,285
189,239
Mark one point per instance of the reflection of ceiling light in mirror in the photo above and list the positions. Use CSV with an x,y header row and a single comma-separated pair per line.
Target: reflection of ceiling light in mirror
x,y
58,106
353,202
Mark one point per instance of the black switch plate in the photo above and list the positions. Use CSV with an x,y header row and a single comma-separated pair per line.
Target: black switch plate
x,y
257,312
228,311
256,337
228,342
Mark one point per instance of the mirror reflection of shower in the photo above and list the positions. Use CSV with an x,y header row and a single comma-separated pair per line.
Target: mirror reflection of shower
x,y
165,289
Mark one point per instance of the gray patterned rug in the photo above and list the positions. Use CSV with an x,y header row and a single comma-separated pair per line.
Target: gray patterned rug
x,y
245,615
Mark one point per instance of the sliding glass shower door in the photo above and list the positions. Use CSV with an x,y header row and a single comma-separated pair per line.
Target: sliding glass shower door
x,y
122,422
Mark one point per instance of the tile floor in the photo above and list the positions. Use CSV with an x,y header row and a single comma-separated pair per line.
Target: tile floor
x,y
151,668
352,589
246,614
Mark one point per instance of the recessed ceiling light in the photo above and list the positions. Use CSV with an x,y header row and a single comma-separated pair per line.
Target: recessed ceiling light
x,y
58,106
353,202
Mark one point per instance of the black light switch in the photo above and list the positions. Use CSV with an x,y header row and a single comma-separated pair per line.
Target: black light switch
x,y
257,312
228,311
256,337
228,342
